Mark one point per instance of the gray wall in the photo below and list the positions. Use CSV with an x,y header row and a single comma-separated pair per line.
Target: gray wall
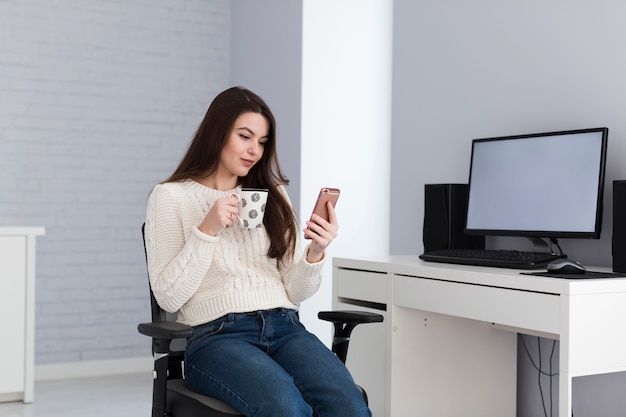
x,y
464,70
266,56
97,103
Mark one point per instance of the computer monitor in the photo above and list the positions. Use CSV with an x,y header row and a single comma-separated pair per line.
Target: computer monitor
x,y
546,185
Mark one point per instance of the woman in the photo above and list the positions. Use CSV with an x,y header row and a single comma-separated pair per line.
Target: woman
x,y
240,288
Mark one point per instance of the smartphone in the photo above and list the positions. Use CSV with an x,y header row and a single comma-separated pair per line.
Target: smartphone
x,y
326,194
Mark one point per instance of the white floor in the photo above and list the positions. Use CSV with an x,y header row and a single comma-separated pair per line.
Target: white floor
x,y
109,396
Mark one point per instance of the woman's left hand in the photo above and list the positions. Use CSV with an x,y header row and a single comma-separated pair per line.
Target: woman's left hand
x,y
321,233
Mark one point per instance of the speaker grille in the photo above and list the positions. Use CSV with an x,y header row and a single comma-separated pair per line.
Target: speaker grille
x,y
445,212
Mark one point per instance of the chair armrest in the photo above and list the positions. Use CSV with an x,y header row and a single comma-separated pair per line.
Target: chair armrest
x,y
345,321
168,330
347,316
162,334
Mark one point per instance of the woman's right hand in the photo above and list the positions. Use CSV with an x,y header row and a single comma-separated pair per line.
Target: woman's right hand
x,y
321,233
222,215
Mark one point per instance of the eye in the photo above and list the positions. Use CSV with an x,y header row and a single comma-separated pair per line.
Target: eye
x,y
246,137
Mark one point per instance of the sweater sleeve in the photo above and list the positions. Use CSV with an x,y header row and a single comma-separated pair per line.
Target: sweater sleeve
x,y
302,279
178,259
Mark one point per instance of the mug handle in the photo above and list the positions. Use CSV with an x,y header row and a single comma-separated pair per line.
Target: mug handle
x,y
241,223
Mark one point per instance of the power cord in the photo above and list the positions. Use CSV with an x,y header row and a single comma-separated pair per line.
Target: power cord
x,y
554,241
541,372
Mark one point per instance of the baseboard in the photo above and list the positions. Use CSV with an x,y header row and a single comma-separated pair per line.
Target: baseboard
x,y
69,370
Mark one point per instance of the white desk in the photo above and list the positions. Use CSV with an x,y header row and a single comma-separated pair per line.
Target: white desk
x,y
17,312
449,341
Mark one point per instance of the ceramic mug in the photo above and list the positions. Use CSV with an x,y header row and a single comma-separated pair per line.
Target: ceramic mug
x,y
251,206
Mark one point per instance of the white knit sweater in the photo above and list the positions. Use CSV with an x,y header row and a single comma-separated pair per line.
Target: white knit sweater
x,y
205,277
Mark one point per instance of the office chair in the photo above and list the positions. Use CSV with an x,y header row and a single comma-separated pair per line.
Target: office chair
x,y
170,395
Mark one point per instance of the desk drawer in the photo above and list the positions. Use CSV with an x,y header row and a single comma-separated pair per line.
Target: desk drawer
x,y
361,285
503,306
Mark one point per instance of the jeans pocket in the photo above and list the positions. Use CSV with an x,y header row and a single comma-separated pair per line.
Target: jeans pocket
x,y
294,320
209,329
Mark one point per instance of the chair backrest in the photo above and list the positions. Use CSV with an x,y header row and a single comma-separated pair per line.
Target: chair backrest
x,y
157,313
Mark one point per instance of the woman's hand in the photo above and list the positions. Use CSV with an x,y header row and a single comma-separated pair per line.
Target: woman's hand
x,y
321,233
222,215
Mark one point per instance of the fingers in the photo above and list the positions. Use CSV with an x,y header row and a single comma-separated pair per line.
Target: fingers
x,y
332,217
229,220
331,224
321,231
222,215
319,226
230,210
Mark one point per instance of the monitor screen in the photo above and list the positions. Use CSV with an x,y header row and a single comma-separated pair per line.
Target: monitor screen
x,y
546,185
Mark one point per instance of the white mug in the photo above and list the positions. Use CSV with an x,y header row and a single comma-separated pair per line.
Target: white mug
x,y
251,206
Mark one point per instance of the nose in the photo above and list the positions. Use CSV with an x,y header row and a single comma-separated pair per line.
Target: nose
x,y
255,148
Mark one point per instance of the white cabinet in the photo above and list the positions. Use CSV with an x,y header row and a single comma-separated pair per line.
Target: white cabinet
x,y
17,311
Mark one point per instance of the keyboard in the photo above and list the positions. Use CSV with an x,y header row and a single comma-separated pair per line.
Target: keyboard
x,y
492,257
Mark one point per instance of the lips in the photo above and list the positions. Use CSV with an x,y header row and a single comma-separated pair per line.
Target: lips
x,y
247,162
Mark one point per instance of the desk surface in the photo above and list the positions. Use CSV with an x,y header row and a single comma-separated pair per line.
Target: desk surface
x,y
412,265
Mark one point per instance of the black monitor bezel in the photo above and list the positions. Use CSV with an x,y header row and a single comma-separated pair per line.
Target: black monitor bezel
x,y
595,234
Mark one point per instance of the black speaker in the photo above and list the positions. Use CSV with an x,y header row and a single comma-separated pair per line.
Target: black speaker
x,y
445,211
619,226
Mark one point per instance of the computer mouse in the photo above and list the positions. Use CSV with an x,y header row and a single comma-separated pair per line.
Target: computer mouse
x,y
565,266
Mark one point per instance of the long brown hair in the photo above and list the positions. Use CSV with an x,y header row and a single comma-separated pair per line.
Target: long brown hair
x,y
203,157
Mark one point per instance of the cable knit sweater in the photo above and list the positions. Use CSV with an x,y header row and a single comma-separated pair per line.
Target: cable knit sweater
x,y
204,277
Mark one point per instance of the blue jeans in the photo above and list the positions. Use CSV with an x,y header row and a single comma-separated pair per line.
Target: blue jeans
x,y
266,364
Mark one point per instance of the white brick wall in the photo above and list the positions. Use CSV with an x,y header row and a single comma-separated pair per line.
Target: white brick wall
x,y
98,100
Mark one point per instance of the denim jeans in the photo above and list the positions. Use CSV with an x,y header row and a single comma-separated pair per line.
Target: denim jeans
x,y
266,364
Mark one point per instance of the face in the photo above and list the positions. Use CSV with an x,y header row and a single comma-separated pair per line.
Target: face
x,y
244,146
